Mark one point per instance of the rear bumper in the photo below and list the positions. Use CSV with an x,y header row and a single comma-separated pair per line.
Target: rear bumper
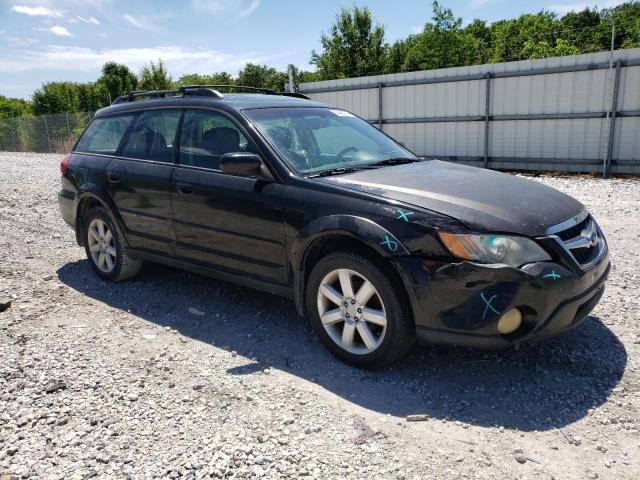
x,y
449,301
67,203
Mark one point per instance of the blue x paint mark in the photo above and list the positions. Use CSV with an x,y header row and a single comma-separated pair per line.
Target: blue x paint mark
x,y
553,275
402,215
488,305
390,244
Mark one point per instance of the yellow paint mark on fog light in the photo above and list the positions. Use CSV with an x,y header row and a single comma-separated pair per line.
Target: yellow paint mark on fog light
x,y
510,321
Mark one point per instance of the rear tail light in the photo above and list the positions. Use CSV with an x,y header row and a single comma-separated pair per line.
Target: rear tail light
x,y
64,164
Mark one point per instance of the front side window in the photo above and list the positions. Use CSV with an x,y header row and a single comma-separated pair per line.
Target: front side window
x,y
104,135
206,136
152,136
314,140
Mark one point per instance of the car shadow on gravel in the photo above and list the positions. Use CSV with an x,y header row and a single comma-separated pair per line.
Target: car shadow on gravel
x,y
541,386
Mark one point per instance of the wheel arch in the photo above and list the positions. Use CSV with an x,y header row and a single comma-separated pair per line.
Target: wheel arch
x,y
342,233
90,197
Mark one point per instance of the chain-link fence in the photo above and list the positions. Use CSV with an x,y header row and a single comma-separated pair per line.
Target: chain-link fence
x,y
56,133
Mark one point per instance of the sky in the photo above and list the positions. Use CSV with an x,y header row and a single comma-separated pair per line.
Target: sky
x,y
51,40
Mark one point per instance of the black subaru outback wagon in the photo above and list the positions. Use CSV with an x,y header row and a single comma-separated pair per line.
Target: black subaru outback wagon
x,y
377,246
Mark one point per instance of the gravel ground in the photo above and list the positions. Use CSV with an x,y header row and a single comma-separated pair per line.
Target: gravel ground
x,y
175,375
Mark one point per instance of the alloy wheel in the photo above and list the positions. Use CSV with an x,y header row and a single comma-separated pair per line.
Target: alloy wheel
x,y
351,311
102,245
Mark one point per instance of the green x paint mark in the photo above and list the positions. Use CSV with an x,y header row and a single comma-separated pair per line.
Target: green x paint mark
x,y
553,275
488,305
402,215
390,244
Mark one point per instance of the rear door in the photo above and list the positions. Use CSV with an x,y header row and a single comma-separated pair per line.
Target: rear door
x,y
227,222
140,180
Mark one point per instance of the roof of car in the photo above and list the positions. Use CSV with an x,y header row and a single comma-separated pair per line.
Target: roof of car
x,y
234,101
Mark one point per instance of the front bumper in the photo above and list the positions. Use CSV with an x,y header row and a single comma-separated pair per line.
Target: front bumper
x,y
461,303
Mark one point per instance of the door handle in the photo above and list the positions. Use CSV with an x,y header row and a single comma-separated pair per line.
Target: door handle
x,y
185,188
113,177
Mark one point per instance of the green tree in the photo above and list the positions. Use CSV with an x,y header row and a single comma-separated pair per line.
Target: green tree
x,y
442,43
56,97
155,77
117,79
353,47
13,107
509,36
219,78
627,22
396,55
534,50
92,96
261,76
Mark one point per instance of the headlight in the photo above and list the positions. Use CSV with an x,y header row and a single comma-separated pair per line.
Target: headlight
x,y
512,251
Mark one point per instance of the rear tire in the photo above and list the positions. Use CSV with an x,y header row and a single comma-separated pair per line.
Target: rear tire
x,y
357,313
104,248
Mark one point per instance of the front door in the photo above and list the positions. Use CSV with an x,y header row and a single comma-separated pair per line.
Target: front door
x,y
231,223
140,180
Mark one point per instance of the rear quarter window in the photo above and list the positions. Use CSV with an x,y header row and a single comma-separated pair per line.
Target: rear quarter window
x,y
104,135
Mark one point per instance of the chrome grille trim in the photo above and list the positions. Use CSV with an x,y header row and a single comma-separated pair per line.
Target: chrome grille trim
x,y
567,224
590,237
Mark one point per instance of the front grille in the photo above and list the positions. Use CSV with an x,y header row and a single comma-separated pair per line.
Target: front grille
x,y
582,238
575,231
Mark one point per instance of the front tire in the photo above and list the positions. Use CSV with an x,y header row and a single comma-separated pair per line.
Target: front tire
x,y
357,313
104,248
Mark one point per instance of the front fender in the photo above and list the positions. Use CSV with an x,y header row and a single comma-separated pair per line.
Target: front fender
x,y
359,228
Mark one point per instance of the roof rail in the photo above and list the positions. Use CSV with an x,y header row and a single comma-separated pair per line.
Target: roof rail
x,y
294,95
201,91
268,91
131,96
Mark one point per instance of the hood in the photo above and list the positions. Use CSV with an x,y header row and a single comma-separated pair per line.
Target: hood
x,y
485,200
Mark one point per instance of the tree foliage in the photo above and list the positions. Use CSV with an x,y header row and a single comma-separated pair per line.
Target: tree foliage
x,y
220,78
261,76
117,79
353,47
13,107
155,76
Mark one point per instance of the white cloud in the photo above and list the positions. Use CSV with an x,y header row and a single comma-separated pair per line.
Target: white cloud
x,y
22,41
579,6
178,59
36,11
92,20
61,31
238,8
250,9
139,23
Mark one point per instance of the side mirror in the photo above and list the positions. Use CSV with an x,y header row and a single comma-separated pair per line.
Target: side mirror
x,y
244,164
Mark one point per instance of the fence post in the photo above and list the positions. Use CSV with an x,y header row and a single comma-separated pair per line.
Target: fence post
x,y
380,106
487,112
29,146
46,130
606,170
66,116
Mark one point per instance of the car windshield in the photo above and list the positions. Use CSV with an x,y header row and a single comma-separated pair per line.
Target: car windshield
x,y
313,140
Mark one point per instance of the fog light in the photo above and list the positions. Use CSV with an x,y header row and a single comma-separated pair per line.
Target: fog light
x,y
510,321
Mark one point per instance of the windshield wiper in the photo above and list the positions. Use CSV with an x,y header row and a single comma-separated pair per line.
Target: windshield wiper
x,y
394,161
334,171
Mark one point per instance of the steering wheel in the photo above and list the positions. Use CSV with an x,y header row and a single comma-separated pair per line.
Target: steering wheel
x,y
344,151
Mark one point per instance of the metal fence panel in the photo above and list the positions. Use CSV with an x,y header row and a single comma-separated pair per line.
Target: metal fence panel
x,y
56,133
569,113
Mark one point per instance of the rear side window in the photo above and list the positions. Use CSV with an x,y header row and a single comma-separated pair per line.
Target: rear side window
x,y
152,136
104,135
